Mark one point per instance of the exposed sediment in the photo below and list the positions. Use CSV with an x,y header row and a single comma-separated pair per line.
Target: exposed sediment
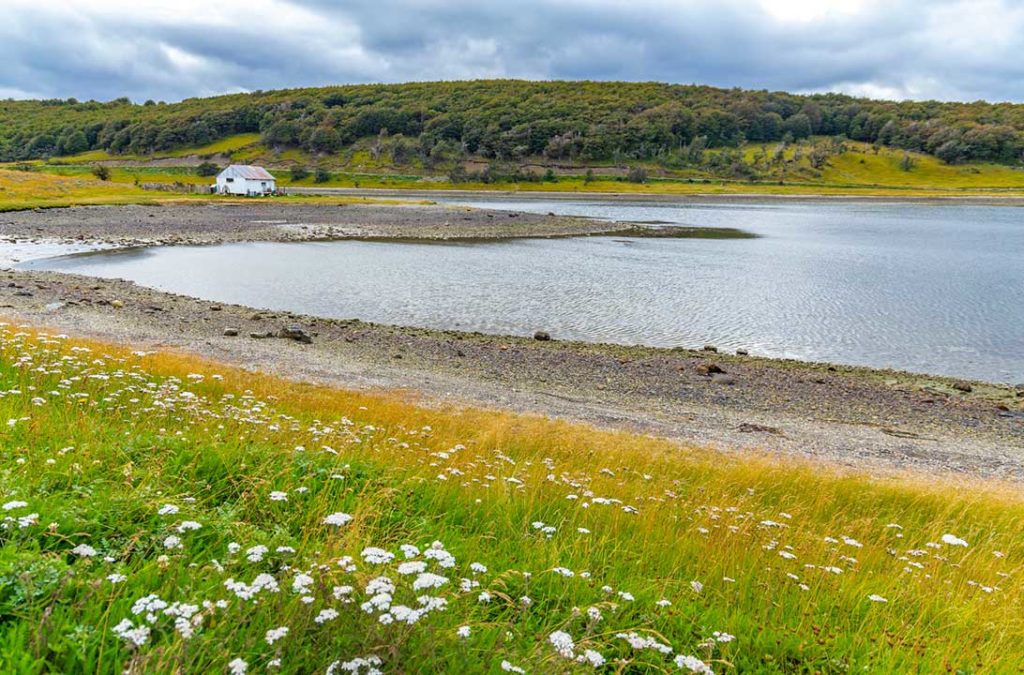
x,y
866,419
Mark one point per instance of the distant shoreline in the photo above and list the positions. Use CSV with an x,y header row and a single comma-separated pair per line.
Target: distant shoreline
x,y
543,195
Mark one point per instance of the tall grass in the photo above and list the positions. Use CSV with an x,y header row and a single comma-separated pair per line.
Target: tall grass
x,y
592,534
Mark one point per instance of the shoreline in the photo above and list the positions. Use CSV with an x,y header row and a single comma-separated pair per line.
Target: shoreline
x,y
1015,200
878,420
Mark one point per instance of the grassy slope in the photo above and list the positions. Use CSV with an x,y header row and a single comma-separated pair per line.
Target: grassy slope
x,y
787,555
75,186
27,190
861,171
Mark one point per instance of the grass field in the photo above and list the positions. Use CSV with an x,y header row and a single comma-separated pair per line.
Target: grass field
x,y
75,186
860,170
164,514
32,189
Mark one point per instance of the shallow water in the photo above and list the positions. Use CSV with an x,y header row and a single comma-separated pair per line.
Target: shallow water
x,y
928,288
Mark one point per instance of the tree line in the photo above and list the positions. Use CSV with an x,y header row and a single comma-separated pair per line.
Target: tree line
x,y
508,120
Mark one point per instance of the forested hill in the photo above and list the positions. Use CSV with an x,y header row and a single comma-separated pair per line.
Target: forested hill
x,y
508,120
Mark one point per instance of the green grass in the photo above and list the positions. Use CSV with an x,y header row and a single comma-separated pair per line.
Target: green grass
x,y
224,146
858,171
76,186
100,439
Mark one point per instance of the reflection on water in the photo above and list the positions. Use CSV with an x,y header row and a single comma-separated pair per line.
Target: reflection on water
x,y
920,287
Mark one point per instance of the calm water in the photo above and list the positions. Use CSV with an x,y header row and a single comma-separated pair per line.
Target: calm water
x,y
919,287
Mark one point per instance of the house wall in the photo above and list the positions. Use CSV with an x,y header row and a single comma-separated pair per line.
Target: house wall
x,y
242,186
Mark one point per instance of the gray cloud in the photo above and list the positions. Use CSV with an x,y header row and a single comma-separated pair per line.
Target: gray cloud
x,y
945,49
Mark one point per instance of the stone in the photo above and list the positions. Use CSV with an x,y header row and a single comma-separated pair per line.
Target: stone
x,y
751,428
963,386
709,369
215,308
742,352
296,333
230,332
116,304
541,335
721,378
710,348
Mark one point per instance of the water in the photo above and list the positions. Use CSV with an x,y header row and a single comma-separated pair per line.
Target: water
x,y
921,287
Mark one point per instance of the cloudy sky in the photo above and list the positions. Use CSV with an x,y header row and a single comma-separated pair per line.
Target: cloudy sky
x,y
173,49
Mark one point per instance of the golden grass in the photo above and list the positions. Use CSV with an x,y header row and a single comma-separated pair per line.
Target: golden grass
x,y
21,190
696,515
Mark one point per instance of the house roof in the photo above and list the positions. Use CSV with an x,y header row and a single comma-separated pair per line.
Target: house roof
x,y
247,172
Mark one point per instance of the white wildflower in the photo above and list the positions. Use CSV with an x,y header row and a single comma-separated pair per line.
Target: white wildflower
x,y
428,580
377,556
326,615
563,643
275,634
953,540
84,550
338,519
693,664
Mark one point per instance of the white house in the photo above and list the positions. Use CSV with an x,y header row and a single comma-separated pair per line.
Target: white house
x,y
242,179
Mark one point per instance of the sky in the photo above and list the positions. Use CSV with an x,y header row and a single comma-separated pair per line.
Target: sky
x,y
104,49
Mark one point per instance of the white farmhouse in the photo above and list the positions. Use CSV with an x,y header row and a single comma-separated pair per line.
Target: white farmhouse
x,y
242,179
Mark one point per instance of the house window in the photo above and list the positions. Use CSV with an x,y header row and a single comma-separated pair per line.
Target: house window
x,y
230,180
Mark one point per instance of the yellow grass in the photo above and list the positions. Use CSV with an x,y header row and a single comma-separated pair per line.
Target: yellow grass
x,y
695,514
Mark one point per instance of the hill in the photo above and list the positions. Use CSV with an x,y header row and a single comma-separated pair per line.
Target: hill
x,y
507,120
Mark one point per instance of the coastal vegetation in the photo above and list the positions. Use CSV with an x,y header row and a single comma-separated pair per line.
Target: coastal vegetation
x,y
163,513
509,119
535,136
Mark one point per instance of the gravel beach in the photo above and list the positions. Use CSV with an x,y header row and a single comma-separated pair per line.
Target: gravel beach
x,y
879,421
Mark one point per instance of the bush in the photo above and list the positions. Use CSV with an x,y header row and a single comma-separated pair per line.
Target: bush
x,y
322,175
207,169
299,172
637,174
101,172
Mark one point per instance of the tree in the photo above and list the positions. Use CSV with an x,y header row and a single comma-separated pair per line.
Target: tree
x,y
101,172
324,139
907,163
799,125
322,175
283,133
299,172
207,169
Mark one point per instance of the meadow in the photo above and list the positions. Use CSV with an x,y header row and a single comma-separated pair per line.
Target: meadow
x,y
75,186
167,514
859,170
